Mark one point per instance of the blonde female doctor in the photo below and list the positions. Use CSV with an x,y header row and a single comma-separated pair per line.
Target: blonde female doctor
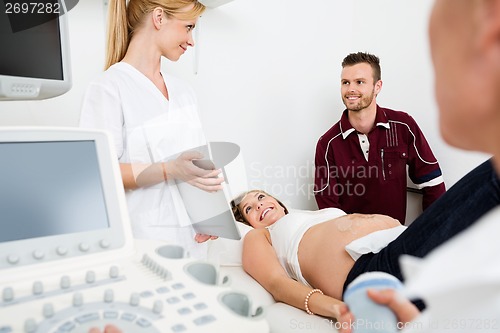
x,y
152,116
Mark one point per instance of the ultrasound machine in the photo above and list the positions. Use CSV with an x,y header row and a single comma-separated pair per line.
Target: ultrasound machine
x,y
68,261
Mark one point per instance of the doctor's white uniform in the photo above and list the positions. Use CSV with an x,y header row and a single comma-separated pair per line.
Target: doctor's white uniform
x,y
148,128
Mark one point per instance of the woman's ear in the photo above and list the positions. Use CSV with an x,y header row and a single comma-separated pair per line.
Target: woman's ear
x,y
158,17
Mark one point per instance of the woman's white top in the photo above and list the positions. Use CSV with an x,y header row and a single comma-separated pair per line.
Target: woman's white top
x,y
287,232
148,128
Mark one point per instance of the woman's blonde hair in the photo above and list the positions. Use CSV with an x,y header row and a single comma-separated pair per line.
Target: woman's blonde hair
x,y
123,20
235,205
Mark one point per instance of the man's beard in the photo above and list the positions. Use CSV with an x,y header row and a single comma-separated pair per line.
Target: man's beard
x,y
363,103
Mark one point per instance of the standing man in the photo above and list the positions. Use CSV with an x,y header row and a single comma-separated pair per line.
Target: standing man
x,y
361,161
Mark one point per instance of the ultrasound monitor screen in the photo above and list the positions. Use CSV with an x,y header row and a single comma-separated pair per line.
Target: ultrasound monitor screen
x,y
50,188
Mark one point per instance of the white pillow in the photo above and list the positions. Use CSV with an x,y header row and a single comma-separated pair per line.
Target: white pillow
x,y
228,252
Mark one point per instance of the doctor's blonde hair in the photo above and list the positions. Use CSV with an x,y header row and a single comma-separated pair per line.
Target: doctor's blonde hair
x,y
124,19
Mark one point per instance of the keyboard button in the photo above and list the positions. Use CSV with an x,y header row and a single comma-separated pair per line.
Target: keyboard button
x,y
110,314
162,290
143,322
87,318
178,286
188,296
204,320
128,316
67,327
178,328
173,300
184,311
200,306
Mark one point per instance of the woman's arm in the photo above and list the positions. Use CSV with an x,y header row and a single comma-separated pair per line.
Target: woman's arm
x,y
261,262
143,175
130,174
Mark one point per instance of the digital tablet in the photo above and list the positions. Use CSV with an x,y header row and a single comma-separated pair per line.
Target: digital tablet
x,y
211,213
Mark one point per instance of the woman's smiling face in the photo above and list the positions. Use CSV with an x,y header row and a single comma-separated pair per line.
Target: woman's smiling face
x,y
260,209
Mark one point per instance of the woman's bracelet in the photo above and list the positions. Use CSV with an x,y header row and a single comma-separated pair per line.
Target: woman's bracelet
x,y
306,300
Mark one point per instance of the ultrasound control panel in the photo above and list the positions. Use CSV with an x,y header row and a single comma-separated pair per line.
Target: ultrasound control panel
x,y
68,261
156,290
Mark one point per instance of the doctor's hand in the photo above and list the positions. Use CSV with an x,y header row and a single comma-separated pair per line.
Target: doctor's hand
x,y
184,169
201,238
404,310
107,329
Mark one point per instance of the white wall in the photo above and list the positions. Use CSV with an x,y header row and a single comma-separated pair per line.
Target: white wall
x,y
268,79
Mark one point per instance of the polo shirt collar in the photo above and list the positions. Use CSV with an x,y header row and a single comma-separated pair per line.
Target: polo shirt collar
x,y
346,128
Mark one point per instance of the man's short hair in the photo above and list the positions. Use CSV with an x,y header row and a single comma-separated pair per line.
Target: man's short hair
x,y
363,57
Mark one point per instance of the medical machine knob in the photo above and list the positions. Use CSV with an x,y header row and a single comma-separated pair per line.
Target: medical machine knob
x,y
13,259
30,325
37,288
134,299
90,277
61,250
158,307
104,244
38,255
114,272
65,282
77,299
7,294
84,247
48,310
108,296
